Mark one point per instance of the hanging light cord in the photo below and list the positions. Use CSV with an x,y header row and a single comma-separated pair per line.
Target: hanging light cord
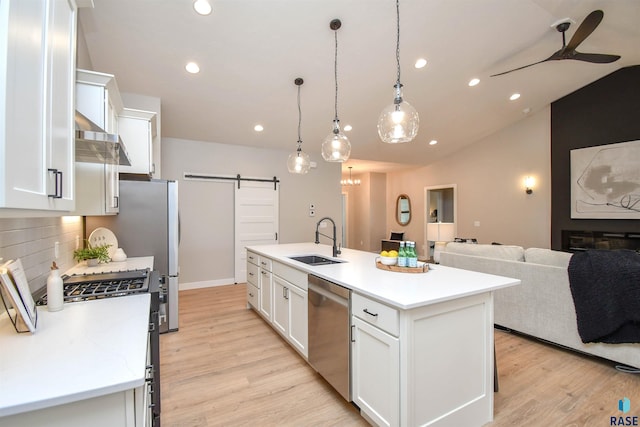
x,y
335,72
398,39
299,121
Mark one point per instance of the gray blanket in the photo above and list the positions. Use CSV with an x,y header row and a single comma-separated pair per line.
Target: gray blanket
x,y
605,285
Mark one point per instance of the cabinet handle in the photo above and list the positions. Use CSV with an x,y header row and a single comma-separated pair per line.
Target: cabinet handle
x,y
370,313
285,293
58,180
116,201
352,335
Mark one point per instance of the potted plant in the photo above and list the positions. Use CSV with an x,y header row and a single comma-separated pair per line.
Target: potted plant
x,y
92,254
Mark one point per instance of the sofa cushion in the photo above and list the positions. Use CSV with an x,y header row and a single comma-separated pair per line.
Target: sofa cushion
x,y
505,252
547,257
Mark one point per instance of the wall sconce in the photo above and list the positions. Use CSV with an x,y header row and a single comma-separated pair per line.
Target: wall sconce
x,y
529,182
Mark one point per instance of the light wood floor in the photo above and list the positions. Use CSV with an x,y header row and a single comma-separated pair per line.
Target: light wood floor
x,y
226,367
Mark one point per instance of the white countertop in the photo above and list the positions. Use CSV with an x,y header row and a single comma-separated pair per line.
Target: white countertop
x,y
88,349
133,263
401,290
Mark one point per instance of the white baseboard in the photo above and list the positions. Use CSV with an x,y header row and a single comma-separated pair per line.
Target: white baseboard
x,y
205,284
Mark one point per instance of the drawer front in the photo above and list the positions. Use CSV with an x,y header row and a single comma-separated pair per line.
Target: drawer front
x,y
253,258
252,296
376,313
253,274
290,274
265,263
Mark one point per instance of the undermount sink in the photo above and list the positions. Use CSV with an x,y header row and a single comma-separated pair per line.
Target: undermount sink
x,y
315,260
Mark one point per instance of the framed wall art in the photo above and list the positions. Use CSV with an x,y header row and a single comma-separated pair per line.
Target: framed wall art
x,y
605,181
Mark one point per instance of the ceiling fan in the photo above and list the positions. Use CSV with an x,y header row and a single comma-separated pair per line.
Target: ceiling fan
x,y
569,51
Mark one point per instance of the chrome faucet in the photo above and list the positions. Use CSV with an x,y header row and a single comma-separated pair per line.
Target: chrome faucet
x,y
336,249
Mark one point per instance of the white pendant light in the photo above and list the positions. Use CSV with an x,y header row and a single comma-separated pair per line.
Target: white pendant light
x,y
399,121
298,161
336,146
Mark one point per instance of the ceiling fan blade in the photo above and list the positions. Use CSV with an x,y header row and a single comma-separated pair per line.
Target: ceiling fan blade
x,y
598,58
551,58
586,27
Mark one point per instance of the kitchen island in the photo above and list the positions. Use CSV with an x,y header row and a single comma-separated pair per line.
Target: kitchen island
x,y
84,365
422,343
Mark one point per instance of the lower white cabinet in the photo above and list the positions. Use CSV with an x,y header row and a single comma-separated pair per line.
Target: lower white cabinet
x,y
265,293
116,409
282,298
437,371
375,373
290,313
375,360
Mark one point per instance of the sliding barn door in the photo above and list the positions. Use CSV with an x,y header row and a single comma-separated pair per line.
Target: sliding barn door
x,y
256,220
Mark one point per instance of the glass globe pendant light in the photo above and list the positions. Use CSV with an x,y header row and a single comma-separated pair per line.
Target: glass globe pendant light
x,y
336,146
399,121
298,161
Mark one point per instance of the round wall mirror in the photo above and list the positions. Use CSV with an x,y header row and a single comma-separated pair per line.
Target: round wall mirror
x,y
403,209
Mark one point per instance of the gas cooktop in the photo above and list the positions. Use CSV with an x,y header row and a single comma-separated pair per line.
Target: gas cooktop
x,y
104,285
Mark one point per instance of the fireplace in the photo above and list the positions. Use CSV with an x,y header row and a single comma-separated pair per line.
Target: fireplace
x,y
575,241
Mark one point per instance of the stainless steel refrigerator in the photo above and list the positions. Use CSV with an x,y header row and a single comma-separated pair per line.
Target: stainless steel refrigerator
x,y
148,224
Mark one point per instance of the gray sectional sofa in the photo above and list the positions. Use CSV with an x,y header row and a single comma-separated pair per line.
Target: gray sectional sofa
x,y
542,306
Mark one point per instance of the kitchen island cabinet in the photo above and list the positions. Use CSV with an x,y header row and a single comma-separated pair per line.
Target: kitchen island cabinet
x,y
37,45
423,343
282,299
77,369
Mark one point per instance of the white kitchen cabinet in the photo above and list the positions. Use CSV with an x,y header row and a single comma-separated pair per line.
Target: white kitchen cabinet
x,y
37,47
138,130
408,365
116,409
290,311
282,298
266,290
97,184
375,373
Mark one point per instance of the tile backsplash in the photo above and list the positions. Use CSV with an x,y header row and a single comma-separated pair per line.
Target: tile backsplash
x,y
33,241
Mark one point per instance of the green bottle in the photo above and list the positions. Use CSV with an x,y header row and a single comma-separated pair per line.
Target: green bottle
x,y
402,256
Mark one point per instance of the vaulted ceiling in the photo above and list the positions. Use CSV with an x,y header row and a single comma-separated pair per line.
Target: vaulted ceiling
x,y
250,52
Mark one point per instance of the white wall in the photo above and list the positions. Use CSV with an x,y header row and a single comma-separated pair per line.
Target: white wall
x,y
490,183
206,208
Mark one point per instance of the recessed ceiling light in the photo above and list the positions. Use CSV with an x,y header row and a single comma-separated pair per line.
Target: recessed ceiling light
x,y
202,7
421,63
258,128
514,96
192,68
474,82
347,128
433,142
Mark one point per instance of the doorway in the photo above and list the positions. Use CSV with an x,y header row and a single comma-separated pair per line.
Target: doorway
x,y
440,206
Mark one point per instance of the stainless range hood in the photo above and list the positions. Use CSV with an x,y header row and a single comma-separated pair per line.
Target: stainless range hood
x,y
94,145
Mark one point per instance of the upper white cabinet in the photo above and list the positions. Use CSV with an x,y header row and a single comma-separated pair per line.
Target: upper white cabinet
x,y
98,98
37,76
138,130
97,184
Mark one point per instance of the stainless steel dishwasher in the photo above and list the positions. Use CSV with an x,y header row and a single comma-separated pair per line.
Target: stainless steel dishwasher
x,y
329,328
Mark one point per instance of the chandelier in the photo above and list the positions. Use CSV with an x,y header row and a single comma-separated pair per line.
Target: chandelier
x,y
350,181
